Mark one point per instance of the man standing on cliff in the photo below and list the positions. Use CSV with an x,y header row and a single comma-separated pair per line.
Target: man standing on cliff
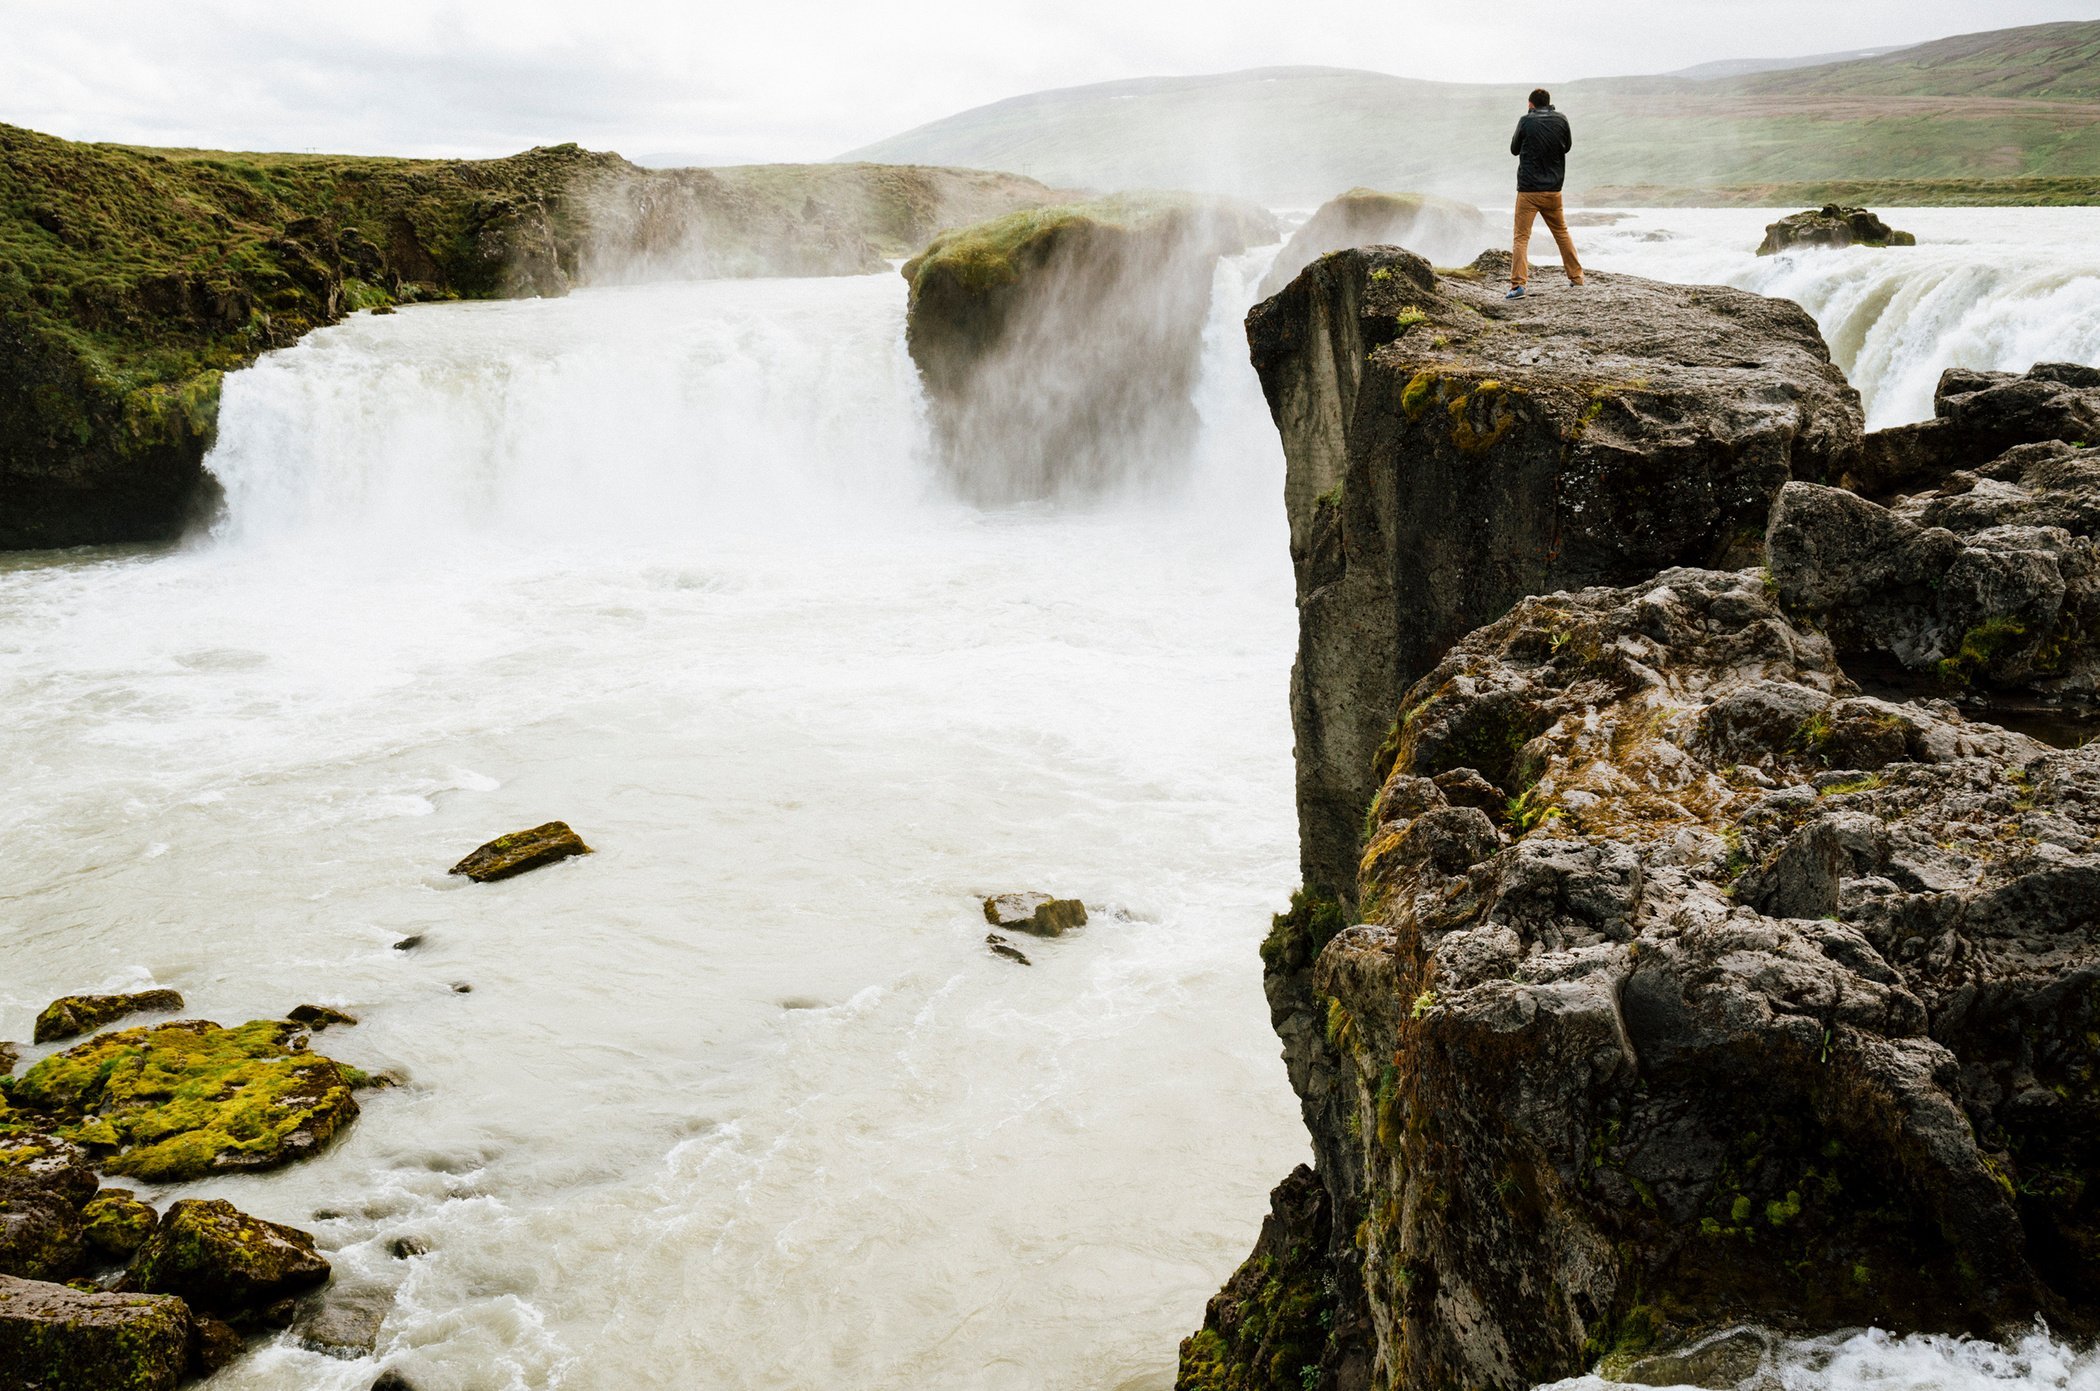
x,y
1541,146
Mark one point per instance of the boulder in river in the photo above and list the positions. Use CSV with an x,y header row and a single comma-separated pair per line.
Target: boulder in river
x,y
40,1230
54,1338
180,1101
1831,226
1034,913
1976,417
1060,347
520,851
226,1263
117,1224
79,1014
318,1017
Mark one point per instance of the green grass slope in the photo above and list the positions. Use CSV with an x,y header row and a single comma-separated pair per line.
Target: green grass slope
x,y
2009,105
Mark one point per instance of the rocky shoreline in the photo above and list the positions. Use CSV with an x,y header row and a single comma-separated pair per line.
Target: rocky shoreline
x,y
1652,977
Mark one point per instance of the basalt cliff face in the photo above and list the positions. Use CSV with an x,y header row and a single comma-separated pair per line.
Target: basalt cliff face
x,y
1677,980
131,279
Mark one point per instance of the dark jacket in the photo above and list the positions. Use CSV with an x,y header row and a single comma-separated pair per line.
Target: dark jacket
x,y
1541,146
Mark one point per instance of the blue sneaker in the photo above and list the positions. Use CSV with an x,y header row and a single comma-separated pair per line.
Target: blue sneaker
x,y
1515,292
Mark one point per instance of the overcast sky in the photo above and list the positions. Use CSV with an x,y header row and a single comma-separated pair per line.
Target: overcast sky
x,y
808,79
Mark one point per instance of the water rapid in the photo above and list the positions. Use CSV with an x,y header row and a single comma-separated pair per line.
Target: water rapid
x,y
742,1101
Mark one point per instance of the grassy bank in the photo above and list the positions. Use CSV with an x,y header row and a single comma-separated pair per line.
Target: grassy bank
x,y
1866,193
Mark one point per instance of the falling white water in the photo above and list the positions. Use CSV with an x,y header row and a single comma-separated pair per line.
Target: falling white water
x,y
740,1101
1995,289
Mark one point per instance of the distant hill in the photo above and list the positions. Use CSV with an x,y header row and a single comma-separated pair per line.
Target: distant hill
x,y
2010,104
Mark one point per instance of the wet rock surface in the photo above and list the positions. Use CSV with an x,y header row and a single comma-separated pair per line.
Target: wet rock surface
x,y
1831,226
1450,452
1684,990
116,1224
1038,914
225,1263
1060,347
521,851
80,1014
54,1338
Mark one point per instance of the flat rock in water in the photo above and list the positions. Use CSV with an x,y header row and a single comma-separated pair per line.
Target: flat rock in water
x,y
319,1017
75,1015
180,1101
1038,914
1831,226
225,1262
59,1339
522,850
1001,947
344,1324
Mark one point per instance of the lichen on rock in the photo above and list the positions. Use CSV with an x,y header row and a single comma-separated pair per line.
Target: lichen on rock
x,y
58,1339
226,1263
180,1101
79,1014
520,851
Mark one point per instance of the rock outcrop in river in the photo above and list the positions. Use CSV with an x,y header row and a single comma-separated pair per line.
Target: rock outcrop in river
x,y
130,279
1677,980
1833,227
1059,347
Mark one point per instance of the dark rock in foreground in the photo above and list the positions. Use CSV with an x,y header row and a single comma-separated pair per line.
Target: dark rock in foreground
x,y
40,1231
53,1338
1991,581
1059,347
117,1224
1831,226
520,851
1976,417
223,1262
1441,230
79,1014
1038,914
1449,452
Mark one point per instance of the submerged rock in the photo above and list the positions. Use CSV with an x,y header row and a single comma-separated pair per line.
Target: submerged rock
x,y
79,1014
520,851
1003,948
1038,914
344,1323
117,1224
183,1100
223,1262
54,1338
1060,347
1441,230
1831,226
1449,452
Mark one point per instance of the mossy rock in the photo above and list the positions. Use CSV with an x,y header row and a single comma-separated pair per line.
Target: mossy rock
x,y
117,1224
74,1015
59,1339
519,851
183,1100
224,1262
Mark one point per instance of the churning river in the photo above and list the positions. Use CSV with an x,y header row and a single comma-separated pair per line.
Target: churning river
x,y
742,1100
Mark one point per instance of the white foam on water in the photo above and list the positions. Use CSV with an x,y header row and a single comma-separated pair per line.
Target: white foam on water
x,y
742,1100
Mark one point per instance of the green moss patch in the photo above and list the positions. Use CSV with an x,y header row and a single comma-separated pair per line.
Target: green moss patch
x,y
179,1101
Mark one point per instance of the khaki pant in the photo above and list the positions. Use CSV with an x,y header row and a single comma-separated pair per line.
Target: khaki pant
x,y
1546,205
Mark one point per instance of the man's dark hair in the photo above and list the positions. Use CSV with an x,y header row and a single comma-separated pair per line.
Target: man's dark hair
x,y
1541,98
